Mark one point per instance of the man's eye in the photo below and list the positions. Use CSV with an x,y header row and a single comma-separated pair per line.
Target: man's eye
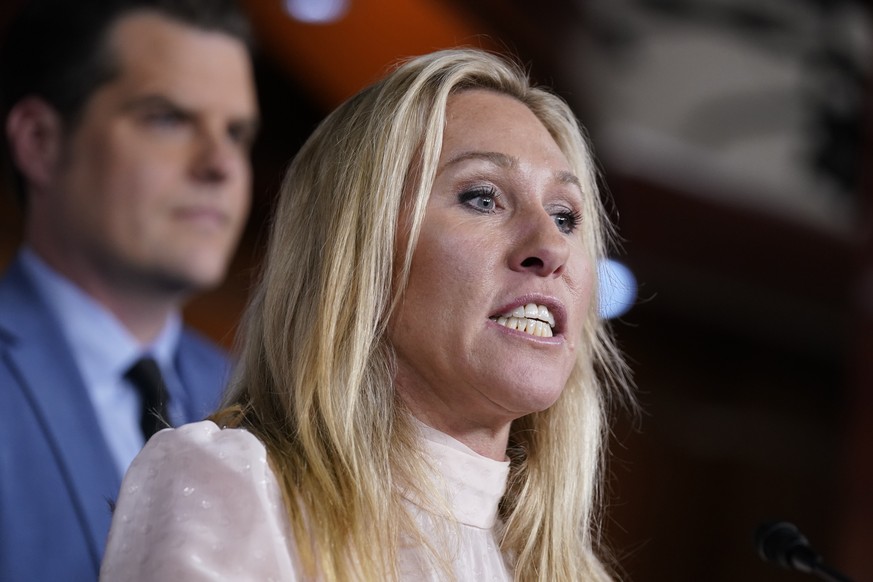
x,y
243,136
481,199
165,118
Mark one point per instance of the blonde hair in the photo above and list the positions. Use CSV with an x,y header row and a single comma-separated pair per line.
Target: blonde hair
x,y
315,378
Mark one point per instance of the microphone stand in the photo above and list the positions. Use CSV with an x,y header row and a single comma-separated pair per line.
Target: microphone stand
x,y
804,559
828,574
783,544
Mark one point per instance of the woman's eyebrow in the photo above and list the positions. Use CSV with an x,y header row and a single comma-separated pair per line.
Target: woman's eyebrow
x,y
496,158
505,161
566,177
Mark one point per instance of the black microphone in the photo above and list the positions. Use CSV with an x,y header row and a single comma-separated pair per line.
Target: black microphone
x,y
782,543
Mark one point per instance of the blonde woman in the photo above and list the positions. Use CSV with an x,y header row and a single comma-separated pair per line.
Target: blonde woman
x,y
424,374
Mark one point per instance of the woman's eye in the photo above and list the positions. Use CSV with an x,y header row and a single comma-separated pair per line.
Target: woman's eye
x,y
567,222
481,199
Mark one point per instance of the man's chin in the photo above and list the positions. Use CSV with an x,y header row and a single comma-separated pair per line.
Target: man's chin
x,y
185,283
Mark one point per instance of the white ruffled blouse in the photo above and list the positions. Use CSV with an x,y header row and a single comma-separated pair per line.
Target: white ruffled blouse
x,y
202,504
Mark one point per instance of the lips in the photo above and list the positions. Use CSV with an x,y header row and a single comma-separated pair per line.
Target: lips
x,y
203,215
532,318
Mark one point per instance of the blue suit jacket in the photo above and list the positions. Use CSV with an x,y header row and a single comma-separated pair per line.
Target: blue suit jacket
x,y
57,475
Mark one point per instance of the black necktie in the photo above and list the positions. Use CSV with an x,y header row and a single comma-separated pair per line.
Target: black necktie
x,y
146,376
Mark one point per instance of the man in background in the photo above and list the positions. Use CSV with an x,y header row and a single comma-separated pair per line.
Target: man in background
x,y
128,125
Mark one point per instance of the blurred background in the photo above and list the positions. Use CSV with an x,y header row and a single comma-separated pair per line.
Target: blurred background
x,y
734,138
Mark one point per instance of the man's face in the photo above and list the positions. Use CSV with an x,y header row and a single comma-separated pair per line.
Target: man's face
x,y
153,185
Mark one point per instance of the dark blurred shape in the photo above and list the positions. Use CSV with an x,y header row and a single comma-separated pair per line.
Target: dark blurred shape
x,y
782,543
837,123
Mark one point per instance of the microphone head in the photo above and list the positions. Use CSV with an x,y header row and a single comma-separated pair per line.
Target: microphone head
x,y
781,543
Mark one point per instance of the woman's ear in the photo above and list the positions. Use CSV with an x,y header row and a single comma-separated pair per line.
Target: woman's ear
x,y
35,133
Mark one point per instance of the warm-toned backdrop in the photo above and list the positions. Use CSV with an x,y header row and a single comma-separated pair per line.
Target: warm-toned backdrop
x,y
752,341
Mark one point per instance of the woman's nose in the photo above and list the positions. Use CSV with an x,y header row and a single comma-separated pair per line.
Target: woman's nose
x,y
540,247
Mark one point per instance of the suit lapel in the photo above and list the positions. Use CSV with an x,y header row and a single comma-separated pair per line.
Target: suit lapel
x,y
41,359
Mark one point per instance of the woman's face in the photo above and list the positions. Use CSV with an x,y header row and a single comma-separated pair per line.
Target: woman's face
x,y
500,285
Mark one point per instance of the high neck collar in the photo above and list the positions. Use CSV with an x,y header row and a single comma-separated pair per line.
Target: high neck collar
x,y
471,484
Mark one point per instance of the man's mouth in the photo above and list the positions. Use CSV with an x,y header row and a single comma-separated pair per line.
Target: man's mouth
x,y
534,319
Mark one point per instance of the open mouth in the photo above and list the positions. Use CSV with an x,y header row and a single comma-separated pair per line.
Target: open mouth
x,y
533,319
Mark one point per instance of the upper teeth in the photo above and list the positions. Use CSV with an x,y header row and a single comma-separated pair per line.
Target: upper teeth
x,y
531,318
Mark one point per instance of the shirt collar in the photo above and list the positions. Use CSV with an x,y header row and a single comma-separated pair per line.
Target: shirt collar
x,y
103,348
473,485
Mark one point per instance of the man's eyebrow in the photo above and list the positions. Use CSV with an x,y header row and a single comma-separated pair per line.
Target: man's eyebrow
x,y
250,123
152,100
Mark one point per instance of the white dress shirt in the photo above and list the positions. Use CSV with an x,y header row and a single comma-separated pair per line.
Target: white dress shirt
x,y
104,350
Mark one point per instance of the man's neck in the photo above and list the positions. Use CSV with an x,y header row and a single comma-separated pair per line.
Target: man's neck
x,y
143,312
143,316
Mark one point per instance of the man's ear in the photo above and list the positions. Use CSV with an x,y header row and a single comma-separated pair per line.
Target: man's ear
x,y
35,133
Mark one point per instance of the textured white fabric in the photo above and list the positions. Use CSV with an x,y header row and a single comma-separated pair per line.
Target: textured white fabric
x,y
202,504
